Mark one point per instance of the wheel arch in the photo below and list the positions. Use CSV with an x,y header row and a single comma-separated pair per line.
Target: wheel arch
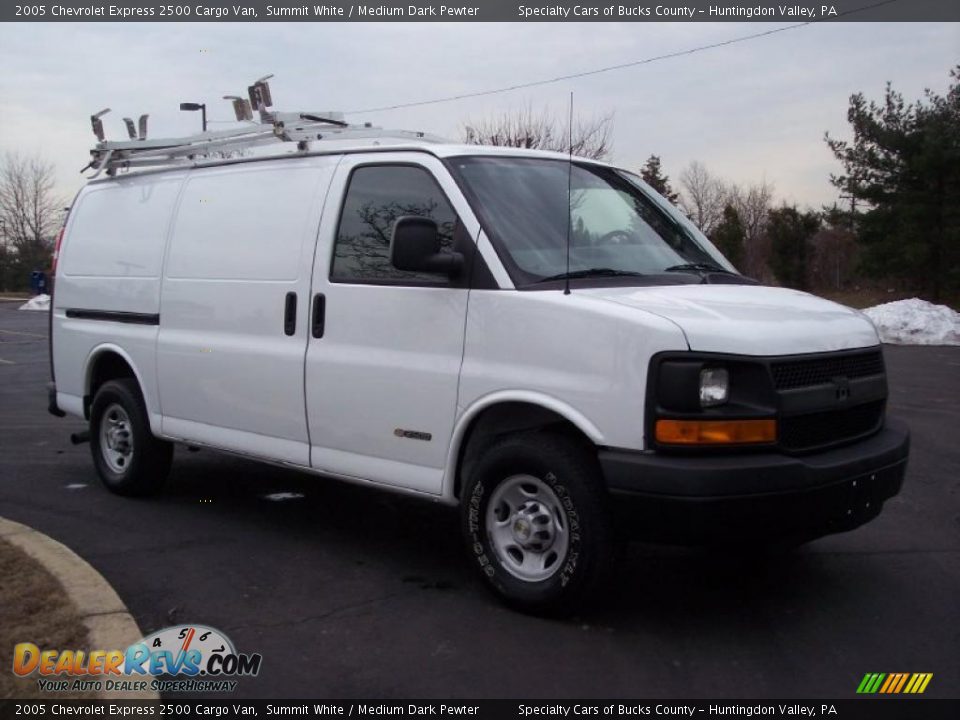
x,y
108,362
504,412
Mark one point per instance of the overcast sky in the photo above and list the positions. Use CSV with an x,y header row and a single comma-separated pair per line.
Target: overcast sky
x,y
750,111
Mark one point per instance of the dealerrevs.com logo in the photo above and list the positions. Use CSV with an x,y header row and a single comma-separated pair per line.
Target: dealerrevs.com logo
x,y
182,658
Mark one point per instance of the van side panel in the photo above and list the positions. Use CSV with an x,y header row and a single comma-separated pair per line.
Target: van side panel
x,y
110,262
243,240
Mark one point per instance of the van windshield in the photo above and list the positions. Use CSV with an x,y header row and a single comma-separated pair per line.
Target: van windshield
x,y
615,230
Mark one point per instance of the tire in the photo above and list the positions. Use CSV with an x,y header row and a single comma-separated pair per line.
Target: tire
x,y
129,459
535,519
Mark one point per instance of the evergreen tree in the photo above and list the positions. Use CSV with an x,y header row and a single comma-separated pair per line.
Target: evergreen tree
x,y
790,231
652,175
903,167
729,237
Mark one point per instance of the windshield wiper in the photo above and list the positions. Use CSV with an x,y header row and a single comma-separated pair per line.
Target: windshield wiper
x,y
592,272
699,267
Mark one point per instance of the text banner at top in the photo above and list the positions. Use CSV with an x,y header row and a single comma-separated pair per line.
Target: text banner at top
x,y
480,11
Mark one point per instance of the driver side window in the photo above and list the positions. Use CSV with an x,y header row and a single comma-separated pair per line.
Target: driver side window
x,y
377,195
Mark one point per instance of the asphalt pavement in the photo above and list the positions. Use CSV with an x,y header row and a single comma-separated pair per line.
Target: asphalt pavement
x,y
349,592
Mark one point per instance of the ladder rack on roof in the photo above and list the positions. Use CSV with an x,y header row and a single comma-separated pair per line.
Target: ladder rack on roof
x,y
298,127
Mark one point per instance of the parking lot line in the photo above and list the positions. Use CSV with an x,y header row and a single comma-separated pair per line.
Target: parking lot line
x,y
20,332
6,362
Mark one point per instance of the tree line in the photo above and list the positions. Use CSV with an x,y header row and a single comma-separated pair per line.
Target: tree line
x,y
774,243
897,219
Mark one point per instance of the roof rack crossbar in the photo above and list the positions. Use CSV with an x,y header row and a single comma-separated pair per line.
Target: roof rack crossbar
x,y
301,127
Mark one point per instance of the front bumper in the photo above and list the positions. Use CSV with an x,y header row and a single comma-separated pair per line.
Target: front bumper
x,y
698,499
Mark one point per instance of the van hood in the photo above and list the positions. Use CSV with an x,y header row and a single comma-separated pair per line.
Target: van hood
x,y
749,319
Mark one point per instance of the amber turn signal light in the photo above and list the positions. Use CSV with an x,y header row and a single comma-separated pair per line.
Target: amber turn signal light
x,y
715,432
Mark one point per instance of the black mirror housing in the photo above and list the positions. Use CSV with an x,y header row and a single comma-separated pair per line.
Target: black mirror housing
x,y
415,246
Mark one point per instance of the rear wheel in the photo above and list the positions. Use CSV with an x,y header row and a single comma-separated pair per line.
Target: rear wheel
x,y
535,520
128,458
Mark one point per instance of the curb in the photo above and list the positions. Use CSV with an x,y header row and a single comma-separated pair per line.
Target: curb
x,y
109,624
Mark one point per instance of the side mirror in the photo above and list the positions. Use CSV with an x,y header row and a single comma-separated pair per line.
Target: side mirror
x,y
415,246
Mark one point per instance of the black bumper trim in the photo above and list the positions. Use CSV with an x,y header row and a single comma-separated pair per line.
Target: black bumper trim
x,y
745,474
740,497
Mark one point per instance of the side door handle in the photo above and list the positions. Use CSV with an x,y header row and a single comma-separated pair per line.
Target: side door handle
x,y
290,314
319,315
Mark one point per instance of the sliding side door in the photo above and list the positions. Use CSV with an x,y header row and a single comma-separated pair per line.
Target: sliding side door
x,y
234,306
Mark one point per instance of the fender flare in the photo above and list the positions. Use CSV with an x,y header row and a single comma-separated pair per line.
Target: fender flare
x,y
91,361
528,397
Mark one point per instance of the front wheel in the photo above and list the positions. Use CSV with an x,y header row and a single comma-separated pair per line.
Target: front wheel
x,y
535,519
128,458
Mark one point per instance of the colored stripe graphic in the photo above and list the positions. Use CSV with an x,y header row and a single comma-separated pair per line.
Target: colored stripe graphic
x,y
894,683
862,687
903,679
926,681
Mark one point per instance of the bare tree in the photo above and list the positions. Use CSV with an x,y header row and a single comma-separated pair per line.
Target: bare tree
x,y
29,214
28,206
703,197
753,204
591,137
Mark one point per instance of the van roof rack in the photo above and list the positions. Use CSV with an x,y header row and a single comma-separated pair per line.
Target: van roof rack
x,y
273,126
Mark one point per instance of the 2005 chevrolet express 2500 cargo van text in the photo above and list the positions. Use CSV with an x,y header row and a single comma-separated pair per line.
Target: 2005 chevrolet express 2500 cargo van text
x,y
395,312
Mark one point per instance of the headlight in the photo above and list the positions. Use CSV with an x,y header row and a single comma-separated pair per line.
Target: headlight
x,y
714,386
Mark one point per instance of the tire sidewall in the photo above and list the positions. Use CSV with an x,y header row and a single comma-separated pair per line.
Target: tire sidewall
x,y
115,392
582,520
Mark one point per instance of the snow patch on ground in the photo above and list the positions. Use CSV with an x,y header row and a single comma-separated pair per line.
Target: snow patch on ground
x,y
40,302
916,322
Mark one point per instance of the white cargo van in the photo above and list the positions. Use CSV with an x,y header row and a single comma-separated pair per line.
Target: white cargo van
x,y
546,343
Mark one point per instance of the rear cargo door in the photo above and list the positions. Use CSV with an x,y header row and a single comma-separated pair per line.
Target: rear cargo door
x,y
233,327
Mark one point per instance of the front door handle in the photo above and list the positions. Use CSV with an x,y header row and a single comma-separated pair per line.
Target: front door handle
x,y
290,314
319,315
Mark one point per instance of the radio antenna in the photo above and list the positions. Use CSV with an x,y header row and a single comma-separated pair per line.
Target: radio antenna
x,y
566,289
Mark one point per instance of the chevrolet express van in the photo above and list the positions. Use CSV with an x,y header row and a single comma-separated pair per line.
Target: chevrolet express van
x,y
544,342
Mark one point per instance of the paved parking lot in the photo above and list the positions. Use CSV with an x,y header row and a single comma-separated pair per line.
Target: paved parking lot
x,y
349,592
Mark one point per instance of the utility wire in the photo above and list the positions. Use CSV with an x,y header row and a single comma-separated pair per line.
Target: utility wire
x,y
621,66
